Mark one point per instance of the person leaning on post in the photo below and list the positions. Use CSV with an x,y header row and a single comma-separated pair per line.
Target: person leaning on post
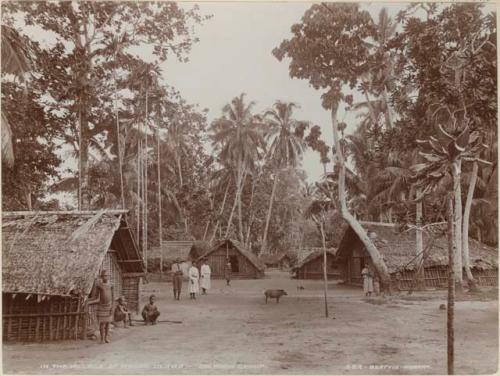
x,y
103,296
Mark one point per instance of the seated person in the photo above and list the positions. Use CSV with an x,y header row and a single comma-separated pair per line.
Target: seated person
x,y
150,312
121,313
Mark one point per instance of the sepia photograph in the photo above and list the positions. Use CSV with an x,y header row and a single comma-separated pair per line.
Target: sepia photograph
x,y
249,188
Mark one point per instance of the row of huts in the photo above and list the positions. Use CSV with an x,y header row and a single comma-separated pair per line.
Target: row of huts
x,y
398,250
50,262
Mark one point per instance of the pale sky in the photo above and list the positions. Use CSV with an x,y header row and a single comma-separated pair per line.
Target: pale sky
x,y
234,55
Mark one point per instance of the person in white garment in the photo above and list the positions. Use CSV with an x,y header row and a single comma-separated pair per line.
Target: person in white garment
x,y
194,277
205,277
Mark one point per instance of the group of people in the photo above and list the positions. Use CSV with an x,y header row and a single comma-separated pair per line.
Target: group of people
x,y
198,278
108,311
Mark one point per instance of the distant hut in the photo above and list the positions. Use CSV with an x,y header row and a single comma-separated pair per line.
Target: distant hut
x,y
311,266
269,260
284,261
244,264
398,250
280,261
50,263
184,250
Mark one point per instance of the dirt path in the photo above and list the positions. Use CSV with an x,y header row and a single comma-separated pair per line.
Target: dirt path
x,y
233,331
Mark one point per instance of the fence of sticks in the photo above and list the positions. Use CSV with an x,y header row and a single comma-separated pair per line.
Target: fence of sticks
x,y
31,318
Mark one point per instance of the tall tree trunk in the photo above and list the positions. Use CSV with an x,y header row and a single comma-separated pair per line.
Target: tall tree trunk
x,y
325,275
372,250
457,220
220,213
230,220
451,288
145,182
138,208
240,214
250,221
83,156
420,243
465,231
387,112
158,172
263,249
179,168
118,139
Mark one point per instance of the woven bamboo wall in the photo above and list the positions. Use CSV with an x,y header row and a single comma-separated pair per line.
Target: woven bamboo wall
x,y
486,277
437,277
25,319
217,261
314,269
130,289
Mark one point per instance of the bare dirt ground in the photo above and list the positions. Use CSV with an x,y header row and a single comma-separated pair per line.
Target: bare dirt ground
x,y
233,331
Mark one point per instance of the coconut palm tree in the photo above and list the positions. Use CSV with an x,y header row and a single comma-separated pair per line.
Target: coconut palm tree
x,y
15,61
285,136
238,138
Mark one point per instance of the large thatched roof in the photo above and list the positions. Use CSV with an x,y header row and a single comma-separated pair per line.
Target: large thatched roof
x,y
398,248
173,249
254,260
53,253
313,254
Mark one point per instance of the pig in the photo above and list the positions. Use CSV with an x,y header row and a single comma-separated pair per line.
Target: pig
x,y
274,294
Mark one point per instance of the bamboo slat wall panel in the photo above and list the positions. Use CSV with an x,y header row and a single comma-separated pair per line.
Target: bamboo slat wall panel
x,y
217,261
131,290
314,269
25,319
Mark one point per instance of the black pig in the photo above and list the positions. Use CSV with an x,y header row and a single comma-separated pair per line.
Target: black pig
x,y
274,294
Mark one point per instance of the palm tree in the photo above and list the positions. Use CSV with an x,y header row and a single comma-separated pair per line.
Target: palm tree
x,y
15,61
237,136
285,136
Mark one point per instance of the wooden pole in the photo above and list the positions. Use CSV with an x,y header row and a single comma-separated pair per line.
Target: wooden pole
x,y
138,213
159,190
325,275
145,235
451,288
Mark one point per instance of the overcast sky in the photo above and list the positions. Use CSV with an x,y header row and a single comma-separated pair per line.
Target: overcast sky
x,y
234,55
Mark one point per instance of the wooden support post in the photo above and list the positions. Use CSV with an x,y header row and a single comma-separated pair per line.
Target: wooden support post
x,y
77,318
19,324
37,329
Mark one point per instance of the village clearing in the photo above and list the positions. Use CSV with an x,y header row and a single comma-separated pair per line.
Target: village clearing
x,y
233,331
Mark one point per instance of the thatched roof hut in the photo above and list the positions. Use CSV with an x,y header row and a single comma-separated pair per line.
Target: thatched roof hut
x,y
52,259
56,253
243,262
310,266
398,249
275,260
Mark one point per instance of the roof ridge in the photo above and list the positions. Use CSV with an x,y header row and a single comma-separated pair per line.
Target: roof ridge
x,y
62,212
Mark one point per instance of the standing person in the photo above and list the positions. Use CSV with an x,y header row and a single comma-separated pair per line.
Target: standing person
x,y
367,280
104,298
227,271
150,311
194,277
177,278
205,276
